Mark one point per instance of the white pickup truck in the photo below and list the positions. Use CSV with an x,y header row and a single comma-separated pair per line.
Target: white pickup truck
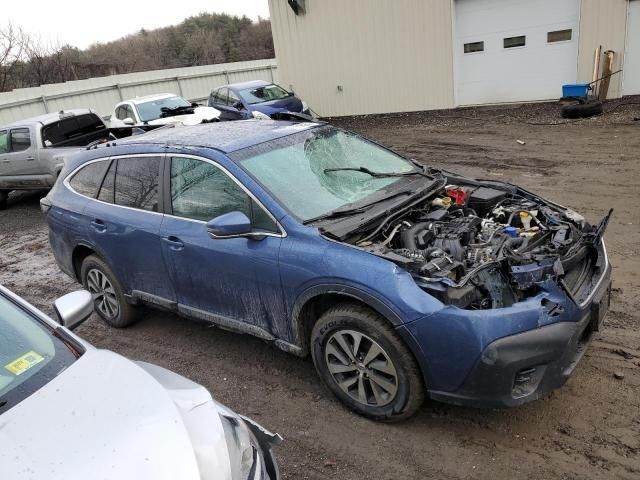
x,y
33,151
161,109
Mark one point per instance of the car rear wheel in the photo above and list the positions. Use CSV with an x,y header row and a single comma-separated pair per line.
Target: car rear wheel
x,y
109,301
366,364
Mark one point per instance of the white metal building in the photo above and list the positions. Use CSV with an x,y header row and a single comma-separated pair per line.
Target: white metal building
x,y
375,56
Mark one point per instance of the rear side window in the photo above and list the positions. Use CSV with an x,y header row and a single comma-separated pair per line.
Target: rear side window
x,y
4,141
20,139
136,184
66,130
107,189
87,180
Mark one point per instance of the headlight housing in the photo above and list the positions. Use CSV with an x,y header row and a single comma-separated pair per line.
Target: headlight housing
x,y
243,450
260,115
249,447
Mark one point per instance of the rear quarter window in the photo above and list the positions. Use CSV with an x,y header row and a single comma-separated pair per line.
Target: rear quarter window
x,y
88,179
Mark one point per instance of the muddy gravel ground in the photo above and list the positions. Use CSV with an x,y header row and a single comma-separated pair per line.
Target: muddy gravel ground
x,y
590,429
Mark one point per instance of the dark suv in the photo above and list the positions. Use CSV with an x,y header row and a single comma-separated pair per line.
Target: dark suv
x,y
398,279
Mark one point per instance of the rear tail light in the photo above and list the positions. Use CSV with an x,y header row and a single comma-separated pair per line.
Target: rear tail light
x,y
45,205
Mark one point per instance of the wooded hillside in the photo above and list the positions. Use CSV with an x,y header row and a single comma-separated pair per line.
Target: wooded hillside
x,y
204,39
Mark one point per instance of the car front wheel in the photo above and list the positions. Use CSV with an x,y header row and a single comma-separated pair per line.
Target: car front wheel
x,y
366,364
108,298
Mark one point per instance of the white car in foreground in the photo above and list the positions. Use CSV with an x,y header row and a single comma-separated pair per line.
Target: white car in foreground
x,y
162,109
71,411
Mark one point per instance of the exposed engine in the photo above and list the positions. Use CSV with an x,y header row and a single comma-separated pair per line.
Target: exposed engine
x,y
480,247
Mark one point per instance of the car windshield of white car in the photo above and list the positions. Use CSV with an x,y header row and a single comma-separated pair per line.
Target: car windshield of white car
x,y
30,354
320,170
152,110
266,93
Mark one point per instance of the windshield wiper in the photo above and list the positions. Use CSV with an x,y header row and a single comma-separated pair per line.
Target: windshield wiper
x,y
375,174
343,212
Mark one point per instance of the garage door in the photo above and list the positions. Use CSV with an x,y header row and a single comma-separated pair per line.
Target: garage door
x,y
631,83
514,50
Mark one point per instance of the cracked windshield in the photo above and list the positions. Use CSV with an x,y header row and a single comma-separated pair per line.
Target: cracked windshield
x,y
307,172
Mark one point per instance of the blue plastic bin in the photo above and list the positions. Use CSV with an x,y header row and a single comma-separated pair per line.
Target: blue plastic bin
x,y
576,90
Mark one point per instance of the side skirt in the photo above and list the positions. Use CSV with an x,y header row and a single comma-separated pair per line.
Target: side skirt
x,y
220,321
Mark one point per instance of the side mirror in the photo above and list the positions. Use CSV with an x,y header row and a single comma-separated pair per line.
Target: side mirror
x,y
74,308
128,121
229,225
195,104
238,106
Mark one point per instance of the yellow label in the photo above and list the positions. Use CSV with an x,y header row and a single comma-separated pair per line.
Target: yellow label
x,y
24,363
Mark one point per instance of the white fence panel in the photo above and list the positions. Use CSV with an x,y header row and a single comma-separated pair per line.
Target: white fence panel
x,y
101,94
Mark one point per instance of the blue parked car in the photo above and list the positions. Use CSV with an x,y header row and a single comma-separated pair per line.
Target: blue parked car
x,y
255,99
401,281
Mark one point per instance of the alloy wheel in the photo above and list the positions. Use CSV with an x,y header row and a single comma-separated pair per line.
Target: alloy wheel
x,y
104,295
361,368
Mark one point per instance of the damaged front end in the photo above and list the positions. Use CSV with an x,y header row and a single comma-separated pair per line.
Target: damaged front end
x,y
480,246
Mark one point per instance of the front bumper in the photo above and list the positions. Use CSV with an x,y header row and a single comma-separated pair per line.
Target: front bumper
x,y
527,366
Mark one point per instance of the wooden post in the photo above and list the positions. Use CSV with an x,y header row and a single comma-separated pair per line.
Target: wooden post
x,y
596,69
606,72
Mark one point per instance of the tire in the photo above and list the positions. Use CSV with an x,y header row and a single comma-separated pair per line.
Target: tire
x,y
584,109
4,194
109,301
394,365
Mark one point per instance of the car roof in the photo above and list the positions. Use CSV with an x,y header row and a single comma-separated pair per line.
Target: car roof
x,y
251,84
149,98
226,137
47,118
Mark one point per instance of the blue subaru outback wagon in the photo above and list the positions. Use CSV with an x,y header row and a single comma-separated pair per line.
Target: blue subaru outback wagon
x,y
401,281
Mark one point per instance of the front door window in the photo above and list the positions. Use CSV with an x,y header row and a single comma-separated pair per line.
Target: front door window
x,y
202,191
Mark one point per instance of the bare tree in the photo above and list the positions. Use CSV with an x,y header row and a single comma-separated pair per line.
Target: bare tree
x,y
12,42
50,62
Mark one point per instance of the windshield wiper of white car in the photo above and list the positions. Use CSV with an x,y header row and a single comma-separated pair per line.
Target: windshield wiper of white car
x,y
176,111
376,174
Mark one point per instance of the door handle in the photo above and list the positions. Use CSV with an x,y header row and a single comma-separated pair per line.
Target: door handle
x,y
174,242
30,158
98,225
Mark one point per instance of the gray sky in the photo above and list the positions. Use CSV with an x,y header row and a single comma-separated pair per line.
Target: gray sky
x,y
81,22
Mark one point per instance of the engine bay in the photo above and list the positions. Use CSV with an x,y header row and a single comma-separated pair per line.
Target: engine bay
x,y
478,247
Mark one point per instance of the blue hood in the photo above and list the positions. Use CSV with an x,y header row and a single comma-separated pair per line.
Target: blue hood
x,y
288,104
